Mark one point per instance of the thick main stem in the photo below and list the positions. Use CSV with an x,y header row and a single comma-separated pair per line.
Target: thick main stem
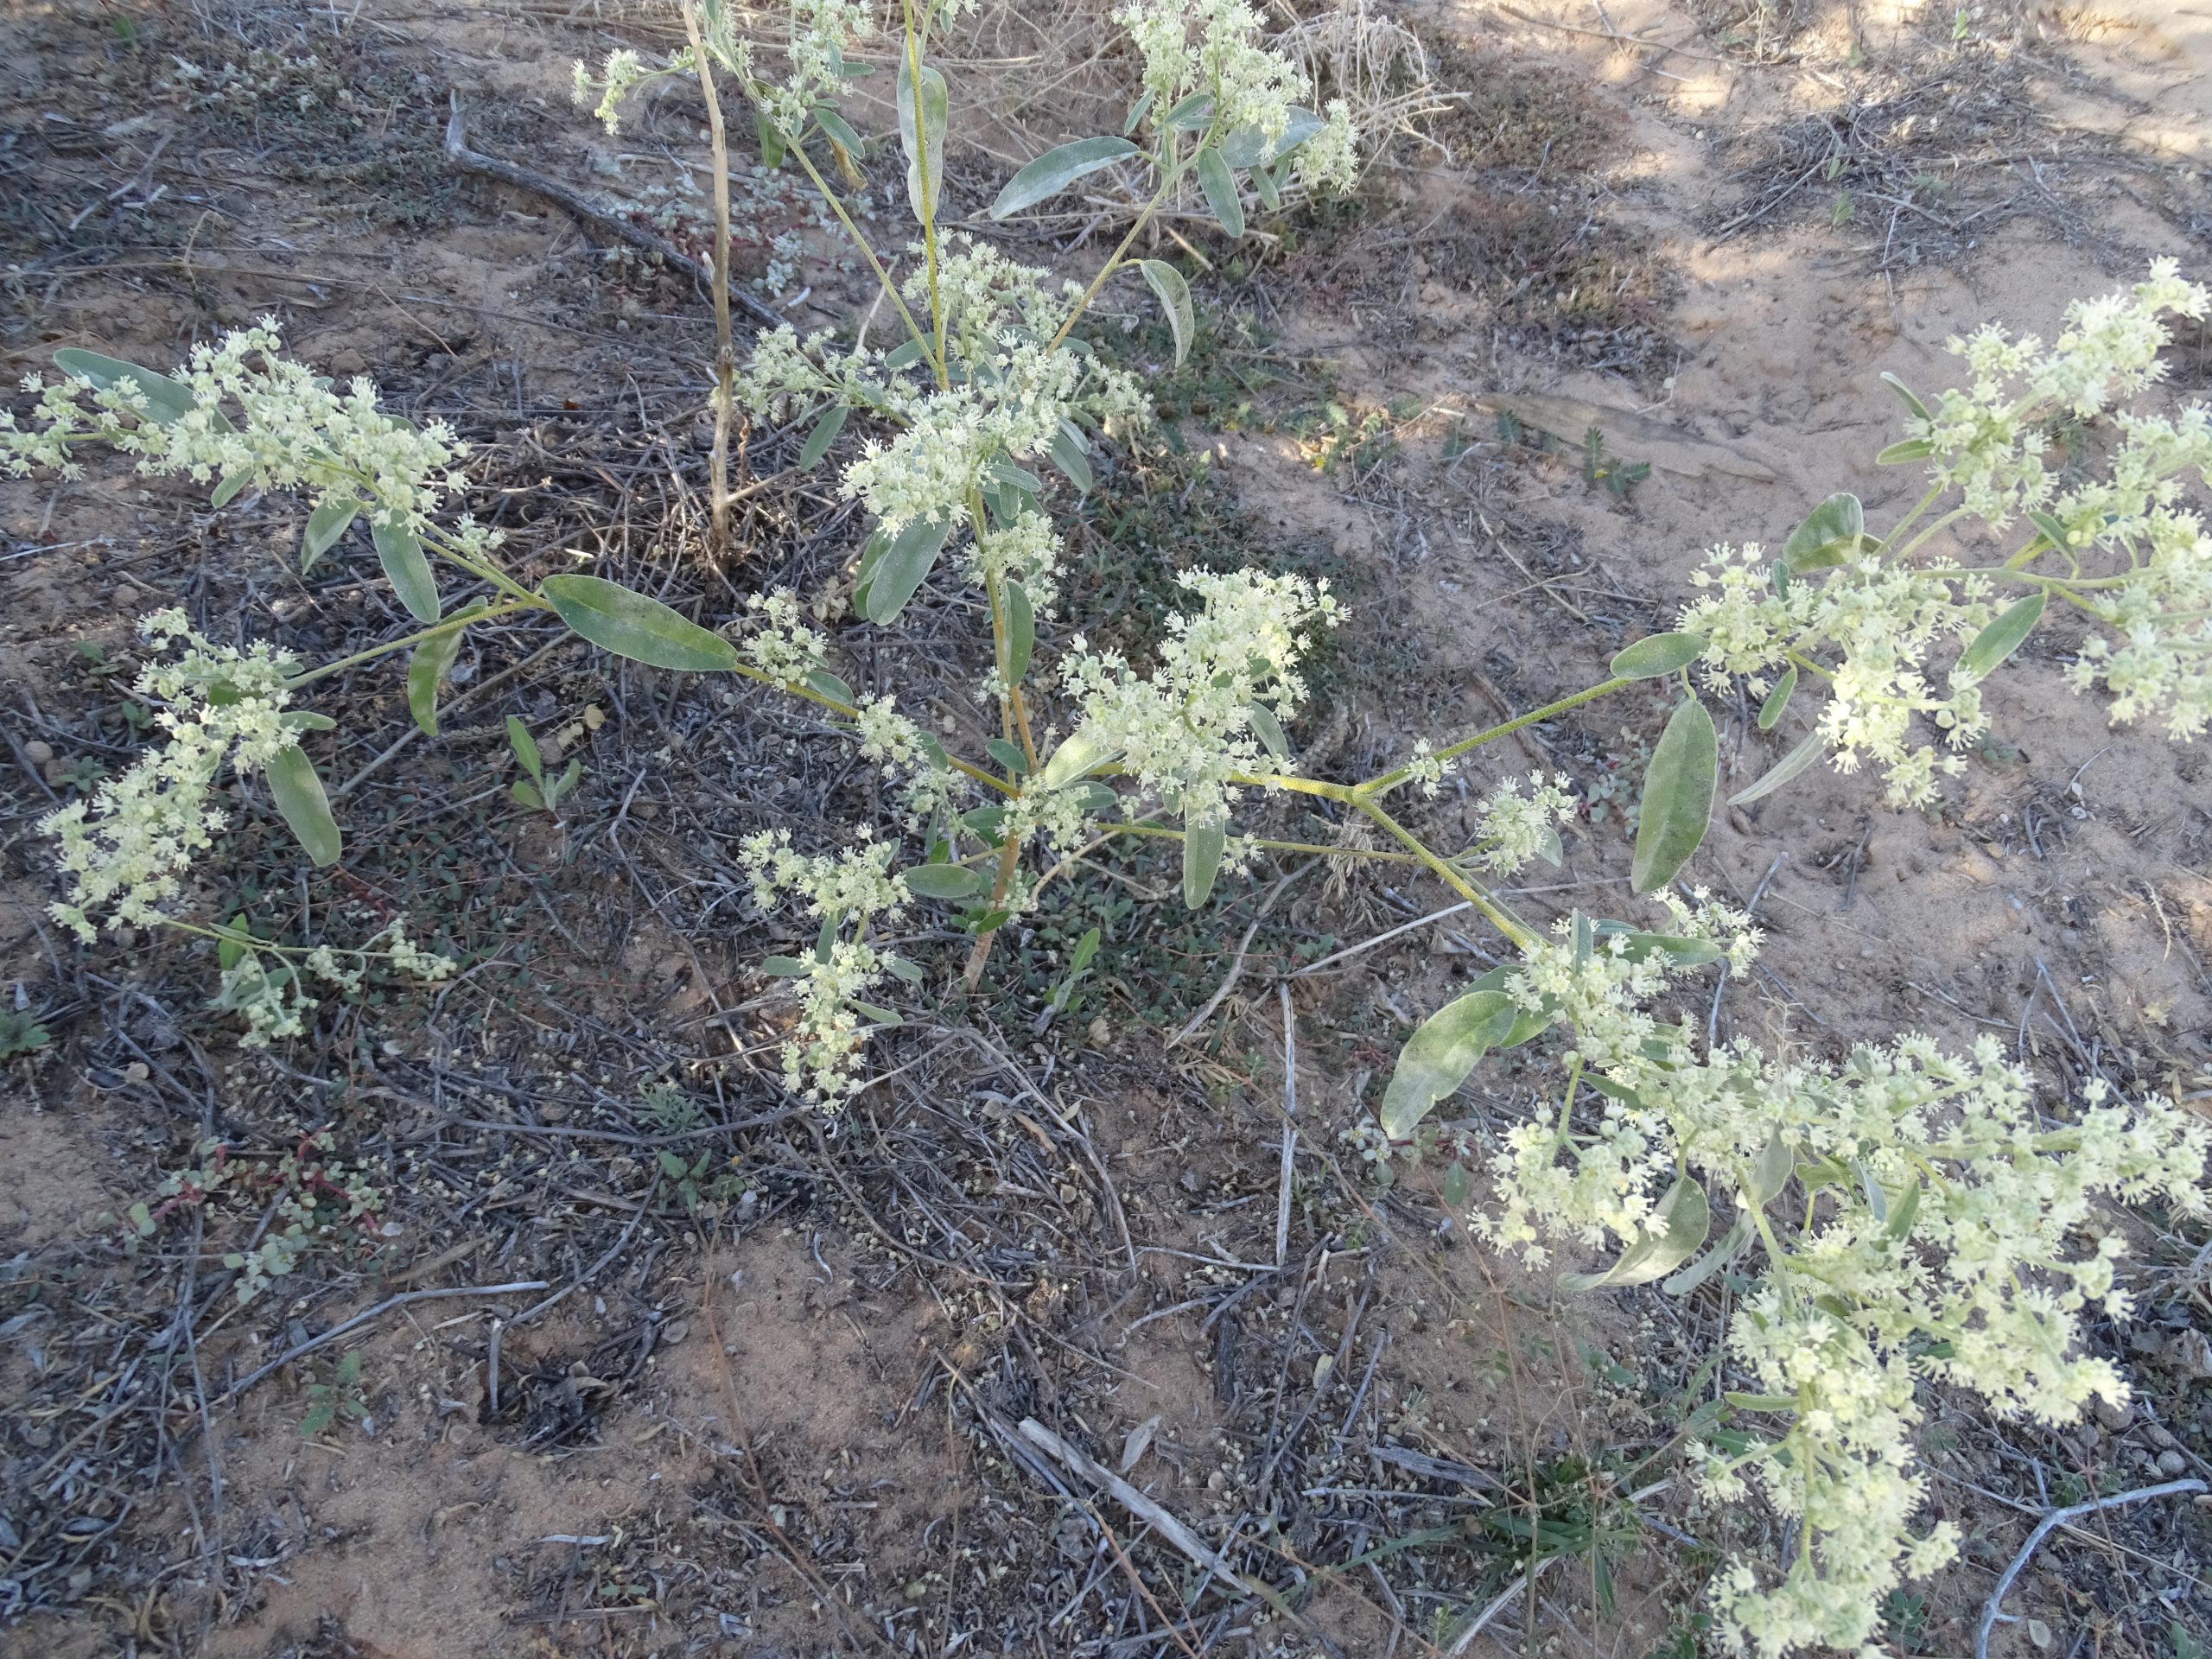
x,y
725,343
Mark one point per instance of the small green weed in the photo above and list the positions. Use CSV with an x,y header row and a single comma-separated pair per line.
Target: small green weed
x,y
21,1033
538,790
335,1394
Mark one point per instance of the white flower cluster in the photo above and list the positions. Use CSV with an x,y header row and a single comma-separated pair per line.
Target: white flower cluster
x,y
2139,555
1427,769
1932,1239
822,1056
1185,728
125,851
1011,393
270,993
914,761
1513,828
1213,48
295,431
779,642
815,71
1882,621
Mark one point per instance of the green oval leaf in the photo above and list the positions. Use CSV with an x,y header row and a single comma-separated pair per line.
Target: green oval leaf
x,y
1909,449
1685,1220
1777,699
1782,771
1528,1022
1007,755
1080,752
2048,525
400,551
1677,796
1219,184
1829,535
1660,654
427,666
2006,633
1174,295
1267,730
227,491
828,686
1680,950
1438,1057
840,131
1068,455
1733,1243
1911,401
1020,633
784,967
1056,169
904,565
1263,181
823,435
299,797
324,526
167,400
942,881
630,624
923,139
1203,843
1777,1161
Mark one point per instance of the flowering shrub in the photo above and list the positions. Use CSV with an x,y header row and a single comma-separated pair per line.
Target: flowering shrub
x,y
1908,1214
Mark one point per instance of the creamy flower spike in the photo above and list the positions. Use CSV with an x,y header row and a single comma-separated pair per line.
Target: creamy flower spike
x,y
1212,48
1889,620
822,1054
1514,828
1939,1239
293,432
814,63
1183,729
125,851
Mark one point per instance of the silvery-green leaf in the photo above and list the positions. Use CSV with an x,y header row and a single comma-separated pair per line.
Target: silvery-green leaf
x,y
167,400
1058,168
828,686
823,435
1137,114
1174,295
1068,454
406,567
1777,699
227,490
299,797
1020,633
1263,181
771,137
1004,470
1219,186
1733,1243
1007,755
923,142
1685,1220
1079,753
630,624
1203,843
1191,114
324,526
1677,800
2006,633
2048,526
1912,403
1782,771
904,566
1829,535
1772,1171
840,131
1303,125
1659,654
942,881
1267,730
1442,1051
1909,449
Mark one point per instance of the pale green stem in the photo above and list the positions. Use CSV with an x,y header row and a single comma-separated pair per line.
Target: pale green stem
x,y
1521,937
452,624
1389,780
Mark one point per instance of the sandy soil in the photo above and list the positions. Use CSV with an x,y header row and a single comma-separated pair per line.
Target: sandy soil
x,y
770,1433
